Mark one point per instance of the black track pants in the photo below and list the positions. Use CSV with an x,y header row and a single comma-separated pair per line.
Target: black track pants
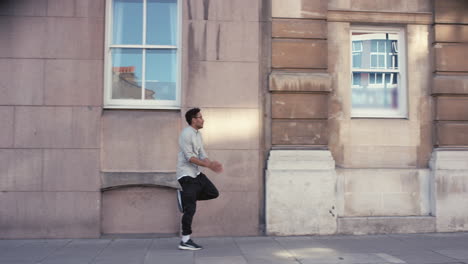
x,y
193,190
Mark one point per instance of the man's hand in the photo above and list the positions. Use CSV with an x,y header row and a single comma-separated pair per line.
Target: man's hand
x,y
216,166
212,165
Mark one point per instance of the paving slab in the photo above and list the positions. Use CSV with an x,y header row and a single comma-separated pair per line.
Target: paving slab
x,y
422,256
78,251
218,247
124,251
182,258
259,250
165,250
6,245
336,249
32,251
451,248
348,258
433,240
305,247
223,260
358,244
459,254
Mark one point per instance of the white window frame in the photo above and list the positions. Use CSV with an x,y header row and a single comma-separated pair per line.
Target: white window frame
x,y
402,111
135,103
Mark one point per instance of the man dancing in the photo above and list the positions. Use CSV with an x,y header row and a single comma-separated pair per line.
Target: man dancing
x,y
195,185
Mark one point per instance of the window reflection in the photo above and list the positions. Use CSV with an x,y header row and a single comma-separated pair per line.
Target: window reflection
x,y
161,74
375,70
161,22
127,28
126,73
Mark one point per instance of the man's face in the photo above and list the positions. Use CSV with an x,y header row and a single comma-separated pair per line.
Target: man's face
x,y
197,121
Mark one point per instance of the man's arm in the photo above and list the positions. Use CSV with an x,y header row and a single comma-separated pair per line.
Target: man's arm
x,y
185,143
212,165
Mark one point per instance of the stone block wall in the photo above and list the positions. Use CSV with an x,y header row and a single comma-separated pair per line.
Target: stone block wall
x,y
382,162
450,175
450,92
381,142
221,74
299,184
300,193
51,60
139,142
299,82
450,85
58,141
383,192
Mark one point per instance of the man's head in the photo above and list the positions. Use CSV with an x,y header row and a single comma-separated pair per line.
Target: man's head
x,y
194,118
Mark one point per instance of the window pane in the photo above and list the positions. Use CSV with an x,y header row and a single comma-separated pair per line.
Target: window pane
x,y
379,78
126,73
357,78
380,95
127,22
357,58
373,61
357,46
381,61
373,46
379,50
161,77
381,46
387,78
161,22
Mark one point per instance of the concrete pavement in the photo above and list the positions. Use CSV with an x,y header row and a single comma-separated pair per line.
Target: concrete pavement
x,y
381,249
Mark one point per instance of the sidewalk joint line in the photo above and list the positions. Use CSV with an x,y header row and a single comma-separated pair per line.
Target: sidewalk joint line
x,y
147,250
100,252
240,250
433,250
55,250
294,256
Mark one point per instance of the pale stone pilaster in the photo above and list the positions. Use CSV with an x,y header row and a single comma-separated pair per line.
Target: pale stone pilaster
x,y
300,193
450,172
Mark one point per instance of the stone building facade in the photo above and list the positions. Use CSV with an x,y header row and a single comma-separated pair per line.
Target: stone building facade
x,y
275,81
366,174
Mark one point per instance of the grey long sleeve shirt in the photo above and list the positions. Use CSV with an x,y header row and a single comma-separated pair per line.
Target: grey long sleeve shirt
x,y
190,145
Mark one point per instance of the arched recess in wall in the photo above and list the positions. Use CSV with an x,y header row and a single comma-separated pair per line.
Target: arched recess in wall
x,y
137,203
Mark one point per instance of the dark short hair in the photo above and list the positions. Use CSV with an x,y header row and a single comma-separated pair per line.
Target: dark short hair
x,y
192,113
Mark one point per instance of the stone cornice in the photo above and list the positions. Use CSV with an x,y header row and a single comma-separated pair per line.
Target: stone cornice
x,y
379,17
